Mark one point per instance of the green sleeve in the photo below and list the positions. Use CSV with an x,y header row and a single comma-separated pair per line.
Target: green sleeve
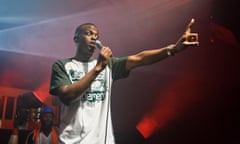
x,y
118,66
59,77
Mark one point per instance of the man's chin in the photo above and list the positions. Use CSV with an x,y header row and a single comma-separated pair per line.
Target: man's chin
x,y
91,48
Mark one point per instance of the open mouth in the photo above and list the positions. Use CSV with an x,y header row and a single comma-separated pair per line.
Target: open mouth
x,y
93,43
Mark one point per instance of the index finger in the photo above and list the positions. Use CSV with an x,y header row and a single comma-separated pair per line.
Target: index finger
x,y
188,29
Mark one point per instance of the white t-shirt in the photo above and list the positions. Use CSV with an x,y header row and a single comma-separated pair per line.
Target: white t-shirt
x,y
43,139
87,119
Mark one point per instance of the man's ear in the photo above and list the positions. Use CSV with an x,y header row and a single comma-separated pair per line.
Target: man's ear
x,y
76,39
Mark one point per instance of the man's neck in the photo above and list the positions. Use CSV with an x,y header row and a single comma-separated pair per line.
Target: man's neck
x,y
46,130
83,59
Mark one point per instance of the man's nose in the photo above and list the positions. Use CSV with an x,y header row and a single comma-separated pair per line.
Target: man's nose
x,y
95,37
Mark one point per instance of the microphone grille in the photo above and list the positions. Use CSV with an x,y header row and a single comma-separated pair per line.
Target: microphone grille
x,y
99,44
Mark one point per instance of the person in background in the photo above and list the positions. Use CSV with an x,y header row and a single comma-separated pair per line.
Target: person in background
x,y
46,133
83,84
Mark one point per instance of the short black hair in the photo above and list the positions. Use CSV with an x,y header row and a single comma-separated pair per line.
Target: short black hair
x,y
79,29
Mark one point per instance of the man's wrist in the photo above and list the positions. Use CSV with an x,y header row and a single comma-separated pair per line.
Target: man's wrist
x,y
97,70
171,50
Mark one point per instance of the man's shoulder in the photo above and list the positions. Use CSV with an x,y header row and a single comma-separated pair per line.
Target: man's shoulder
x,y
56,129
62,62
117,60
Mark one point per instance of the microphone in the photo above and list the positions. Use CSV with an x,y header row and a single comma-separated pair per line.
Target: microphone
x,y
99,44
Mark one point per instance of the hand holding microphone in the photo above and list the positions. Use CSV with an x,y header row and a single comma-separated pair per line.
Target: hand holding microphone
x,y
106,50
104,55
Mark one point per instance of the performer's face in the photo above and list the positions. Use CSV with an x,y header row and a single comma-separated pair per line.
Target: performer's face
x,y
87,39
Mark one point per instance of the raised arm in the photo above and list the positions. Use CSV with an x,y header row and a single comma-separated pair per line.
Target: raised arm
x,y
152,56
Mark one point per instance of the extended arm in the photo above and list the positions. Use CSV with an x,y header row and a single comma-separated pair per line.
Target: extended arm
x,y
152,56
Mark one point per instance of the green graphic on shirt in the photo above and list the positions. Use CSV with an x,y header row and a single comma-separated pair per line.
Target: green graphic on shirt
x,y
96,91
75,75
93,97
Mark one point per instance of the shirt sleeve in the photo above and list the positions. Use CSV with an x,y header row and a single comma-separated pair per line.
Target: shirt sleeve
x,y
59,77
118,66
